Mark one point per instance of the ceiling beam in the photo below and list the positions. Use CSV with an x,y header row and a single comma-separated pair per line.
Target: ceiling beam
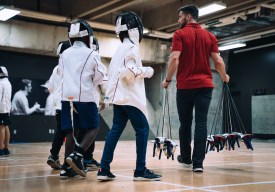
x,y
155,18
166,15
96,7
231,13
104,10
249,35
82,8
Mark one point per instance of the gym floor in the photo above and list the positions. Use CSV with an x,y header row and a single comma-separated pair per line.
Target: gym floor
x,y
26,170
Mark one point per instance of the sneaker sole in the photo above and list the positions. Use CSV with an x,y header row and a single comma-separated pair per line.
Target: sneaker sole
x,y
4,155
75,168
63,177
53,165
89,166
67,177
186,165
199,170
146,179
105,178
92,168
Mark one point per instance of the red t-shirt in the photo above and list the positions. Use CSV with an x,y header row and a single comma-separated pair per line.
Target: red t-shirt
x,y
195,45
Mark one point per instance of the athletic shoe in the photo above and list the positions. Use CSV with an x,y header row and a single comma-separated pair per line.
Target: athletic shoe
x,y
105,175
91,165
184,163
198,169
146,175
6,152
67,172
54,162
75,160
2,153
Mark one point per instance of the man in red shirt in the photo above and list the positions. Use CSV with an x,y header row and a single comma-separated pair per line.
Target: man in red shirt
x,y
192,48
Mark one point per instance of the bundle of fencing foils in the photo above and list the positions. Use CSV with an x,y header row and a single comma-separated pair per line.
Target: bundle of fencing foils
x,y
169,148
161,143
227,128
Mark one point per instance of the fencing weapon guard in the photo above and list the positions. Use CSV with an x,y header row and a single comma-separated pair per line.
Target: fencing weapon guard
x,y
169,148
158,146
161,143
227,114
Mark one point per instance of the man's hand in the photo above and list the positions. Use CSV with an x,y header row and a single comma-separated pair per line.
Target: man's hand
x,y
36,105
165,84
226,78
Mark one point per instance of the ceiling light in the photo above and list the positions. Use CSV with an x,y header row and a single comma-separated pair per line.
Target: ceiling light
x,y
231,46
254,48
213,7
6,13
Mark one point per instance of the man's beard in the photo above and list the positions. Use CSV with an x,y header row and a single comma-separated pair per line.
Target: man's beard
x,y
183,23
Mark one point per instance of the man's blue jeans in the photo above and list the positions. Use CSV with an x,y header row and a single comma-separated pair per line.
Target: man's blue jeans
x,y
140,124
187,99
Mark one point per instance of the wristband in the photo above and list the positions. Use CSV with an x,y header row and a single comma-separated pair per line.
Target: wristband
x,y
168,81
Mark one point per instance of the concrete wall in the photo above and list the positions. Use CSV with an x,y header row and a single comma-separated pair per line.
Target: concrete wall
x,y
263,114
43,39
252,73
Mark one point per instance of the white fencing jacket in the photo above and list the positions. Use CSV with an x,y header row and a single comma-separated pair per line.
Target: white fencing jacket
x,y
54,87
126,77
50,105
81,72
5,96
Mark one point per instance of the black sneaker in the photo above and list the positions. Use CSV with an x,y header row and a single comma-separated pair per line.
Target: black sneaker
x,y
67,172
54,162
2,153
91,165
6,152
186,164
146,175
75,161
105,175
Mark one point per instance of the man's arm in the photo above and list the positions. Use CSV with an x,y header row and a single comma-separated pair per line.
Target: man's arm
x,y
25,106
172,67
220,66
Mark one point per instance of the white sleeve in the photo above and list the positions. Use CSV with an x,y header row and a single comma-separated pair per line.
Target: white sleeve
x,y
99,71
60,67
128,73
51,82
146,72
2,100
130,70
